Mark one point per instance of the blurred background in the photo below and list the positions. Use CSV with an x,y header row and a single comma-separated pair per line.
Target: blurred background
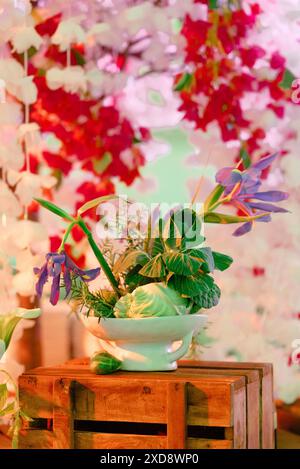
x,y
147,99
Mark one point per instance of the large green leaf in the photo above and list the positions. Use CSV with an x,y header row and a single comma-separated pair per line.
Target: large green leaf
x,y
156,246
54,209
208,264
188,227
224,219
192,285
133,279
98,201
181,263
208,299
154,268
8,410
222,261
3,396
130,259
213,197
9,322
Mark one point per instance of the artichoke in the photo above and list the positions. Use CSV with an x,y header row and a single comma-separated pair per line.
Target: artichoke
x,y
104,363
153,299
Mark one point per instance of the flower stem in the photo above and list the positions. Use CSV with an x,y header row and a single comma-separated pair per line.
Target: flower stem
x,y
66,235
106,269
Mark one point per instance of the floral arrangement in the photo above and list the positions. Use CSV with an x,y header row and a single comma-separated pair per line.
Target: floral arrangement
x,y
170,272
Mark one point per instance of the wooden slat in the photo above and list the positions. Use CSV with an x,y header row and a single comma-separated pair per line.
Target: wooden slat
x,y
176,414
210,400
240,422
267,431
202,443
119,400
63,414
35,393
253,397
88,440
36,439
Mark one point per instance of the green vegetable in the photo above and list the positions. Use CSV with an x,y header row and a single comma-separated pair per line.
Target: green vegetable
x,y
154,299
103,363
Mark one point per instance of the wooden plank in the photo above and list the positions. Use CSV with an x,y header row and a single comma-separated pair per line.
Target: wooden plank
x,y
210,403
91,440
63,414
36,439
119,400
176,415
35,393
267,430
239,425
202,443
253,398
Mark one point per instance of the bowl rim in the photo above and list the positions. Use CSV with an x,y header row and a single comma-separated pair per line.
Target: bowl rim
x,y
153,318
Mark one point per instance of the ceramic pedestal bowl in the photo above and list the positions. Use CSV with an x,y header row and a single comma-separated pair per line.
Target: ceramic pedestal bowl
x,y
146,344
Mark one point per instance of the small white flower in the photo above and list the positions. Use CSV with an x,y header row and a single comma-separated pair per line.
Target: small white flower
x,y
72,79
68,32
25,38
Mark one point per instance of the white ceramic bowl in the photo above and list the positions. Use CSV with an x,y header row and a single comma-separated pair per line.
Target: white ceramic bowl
x,y
146,344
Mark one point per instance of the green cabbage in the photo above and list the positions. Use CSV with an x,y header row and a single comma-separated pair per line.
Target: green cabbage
x,y
153,299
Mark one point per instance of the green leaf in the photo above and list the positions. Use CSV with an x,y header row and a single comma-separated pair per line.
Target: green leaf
x,y
213,197
95,202
244,155
213,4
191,286
154,268
80,60
224,219
186,224
184,82
8,410
206,254
100,165
209,298
181,263
54,209
2,348
3,395
287,80
9,322
130,259
222,261
156,246
133,279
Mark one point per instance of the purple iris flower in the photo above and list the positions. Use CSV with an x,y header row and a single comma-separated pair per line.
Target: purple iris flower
x,y
57,264
244,187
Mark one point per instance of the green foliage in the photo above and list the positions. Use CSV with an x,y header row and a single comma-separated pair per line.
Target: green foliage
x,y
54,209
181,263
104,363
184,82
213,197
101,302
155,268
287,80
208,298
222,261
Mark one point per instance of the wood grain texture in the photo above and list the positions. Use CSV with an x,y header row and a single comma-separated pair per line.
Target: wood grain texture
x,y
176,415
240,422
36,394
202,443
36,439
88,440
63,414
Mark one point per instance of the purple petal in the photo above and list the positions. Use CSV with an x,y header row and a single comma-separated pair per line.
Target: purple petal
x,y
86,275
264,219
269,196
55,262
43,277
67,281
54,295
89,275
245,228
267,207
228,176
265,162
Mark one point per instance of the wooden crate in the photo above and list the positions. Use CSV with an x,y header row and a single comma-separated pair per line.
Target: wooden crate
x,y
201,405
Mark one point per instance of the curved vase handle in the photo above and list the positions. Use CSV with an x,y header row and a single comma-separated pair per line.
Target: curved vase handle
x,y
186,341
112,348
